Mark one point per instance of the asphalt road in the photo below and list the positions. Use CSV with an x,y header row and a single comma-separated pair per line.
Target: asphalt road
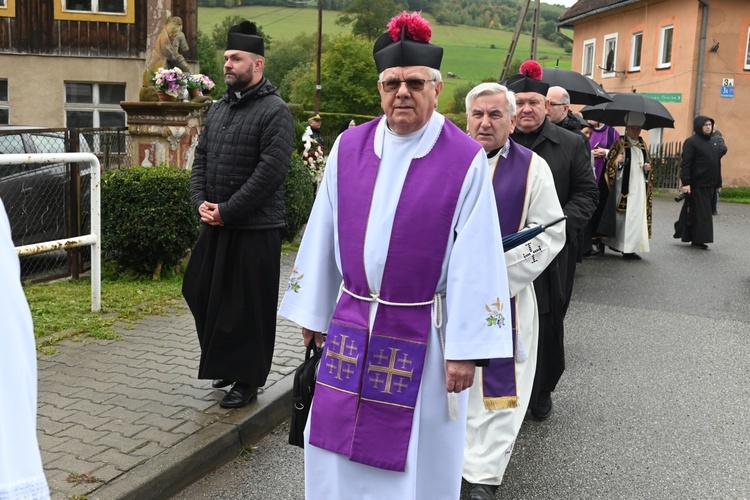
x,y
654,401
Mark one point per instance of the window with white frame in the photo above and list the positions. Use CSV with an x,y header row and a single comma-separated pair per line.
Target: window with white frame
x,y
96,6
747,50
587,65
609,56
636,44
665,47
94,104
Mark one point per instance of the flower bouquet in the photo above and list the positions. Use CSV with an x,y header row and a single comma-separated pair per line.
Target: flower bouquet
x,y
314,159
198,84
169,81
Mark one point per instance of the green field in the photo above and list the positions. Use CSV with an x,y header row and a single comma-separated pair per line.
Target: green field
x,y
468,51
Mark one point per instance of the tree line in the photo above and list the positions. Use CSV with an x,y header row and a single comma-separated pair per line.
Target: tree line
x,y
347,73
498,14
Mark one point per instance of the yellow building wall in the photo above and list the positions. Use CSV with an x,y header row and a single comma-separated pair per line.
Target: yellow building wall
x,y
42,102
728,22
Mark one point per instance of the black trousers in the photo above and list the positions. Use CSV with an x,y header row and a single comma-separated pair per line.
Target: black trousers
x,y
231,285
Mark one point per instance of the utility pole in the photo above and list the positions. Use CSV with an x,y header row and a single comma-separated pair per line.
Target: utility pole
x,y
514,41
317,65
535,29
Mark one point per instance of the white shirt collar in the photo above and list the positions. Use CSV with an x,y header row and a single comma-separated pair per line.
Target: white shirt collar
x,y
428,135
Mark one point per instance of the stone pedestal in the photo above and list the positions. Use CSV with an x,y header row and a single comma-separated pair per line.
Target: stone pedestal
x,y
164,132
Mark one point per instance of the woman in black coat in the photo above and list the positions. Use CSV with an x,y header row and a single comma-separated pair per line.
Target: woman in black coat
x,y
700,175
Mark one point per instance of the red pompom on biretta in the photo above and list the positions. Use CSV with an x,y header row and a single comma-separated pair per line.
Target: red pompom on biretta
x,y
532,69
417,27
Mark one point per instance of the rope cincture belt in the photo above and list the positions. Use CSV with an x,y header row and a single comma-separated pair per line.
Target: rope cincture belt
x,y
437,302
437,320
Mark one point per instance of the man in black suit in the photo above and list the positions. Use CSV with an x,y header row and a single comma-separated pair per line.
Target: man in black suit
x,y
568,158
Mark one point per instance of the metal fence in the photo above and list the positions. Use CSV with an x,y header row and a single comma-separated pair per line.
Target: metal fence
x,y
52,202
665,161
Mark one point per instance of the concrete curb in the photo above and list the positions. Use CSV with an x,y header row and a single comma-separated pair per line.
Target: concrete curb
x,y
218,443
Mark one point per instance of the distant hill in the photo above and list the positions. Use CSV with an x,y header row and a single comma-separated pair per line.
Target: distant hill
x,y
472,53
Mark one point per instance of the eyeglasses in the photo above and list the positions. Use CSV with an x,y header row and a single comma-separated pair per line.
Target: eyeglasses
x,y
557,103
414,84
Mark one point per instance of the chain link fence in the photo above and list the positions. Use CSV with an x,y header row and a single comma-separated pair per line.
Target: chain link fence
x,y
51,202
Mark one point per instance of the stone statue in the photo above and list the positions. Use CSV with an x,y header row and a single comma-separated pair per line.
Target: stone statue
x,y
168,50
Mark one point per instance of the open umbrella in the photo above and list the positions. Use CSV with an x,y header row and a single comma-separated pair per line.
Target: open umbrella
x,y
513,240
614,113
582,89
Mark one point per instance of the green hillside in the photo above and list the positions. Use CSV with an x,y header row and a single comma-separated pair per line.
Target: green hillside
x,y
468,52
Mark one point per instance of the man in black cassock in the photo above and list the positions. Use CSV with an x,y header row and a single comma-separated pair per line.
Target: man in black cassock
x,y
567,155
700,176
232,280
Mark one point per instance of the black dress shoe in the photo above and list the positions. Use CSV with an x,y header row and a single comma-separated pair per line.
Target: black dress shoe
x,y
543,409
702,246
220,382
239,396
599,250
631,256
482,492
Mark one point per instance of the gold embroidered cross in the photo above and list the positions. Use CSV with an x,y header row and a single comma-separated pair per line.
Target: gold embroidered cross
x,y
341,360
390,371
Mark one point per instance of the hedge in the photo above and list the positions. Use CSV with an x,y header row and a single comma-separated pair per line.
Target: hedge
x,y
299,194
148,222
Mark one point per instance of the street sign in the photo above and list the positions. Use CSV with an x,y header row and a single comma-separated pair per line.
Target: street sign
x,y
727,87
664,97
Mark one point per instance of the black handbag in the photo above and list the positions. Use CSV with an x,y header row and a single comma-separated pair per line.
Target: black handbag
x,y
302,394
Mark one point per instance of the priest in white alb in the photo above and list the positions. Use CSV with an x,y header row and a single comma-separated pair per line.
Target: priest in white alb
x,y
402,264
526,197
21,472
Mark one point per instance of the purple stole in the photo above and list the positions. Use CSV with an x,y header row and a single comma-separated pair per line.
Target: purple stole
x,y
509,182
368,381
606,137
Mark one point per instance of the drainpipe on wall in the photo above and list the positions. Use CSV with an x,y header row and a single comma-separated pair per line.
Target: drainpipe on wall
x,y
701,57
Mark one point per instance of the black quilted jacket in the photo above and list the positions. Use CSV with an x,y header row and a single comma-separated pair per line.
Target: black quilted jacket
x,y
242,158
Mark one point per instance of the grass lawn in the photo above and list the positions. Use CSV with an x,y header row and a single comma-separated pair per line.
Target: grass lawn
x,y
62,309
468,51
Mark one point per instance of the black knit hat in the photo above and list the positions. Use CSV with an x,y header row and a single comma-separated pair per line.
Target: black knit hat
x,y
407,44
244,36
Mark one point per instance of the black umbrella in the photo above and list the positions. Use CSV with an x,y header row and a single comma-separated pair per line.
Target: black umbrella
x,y
614,113
582,89
513,240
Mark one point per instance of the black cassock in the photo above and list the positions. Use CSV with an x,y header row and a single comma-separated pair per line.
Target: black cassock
x,y
695,223
231,285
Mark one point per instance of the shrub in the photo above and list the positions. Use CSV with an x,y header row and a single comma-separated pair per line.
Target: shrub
x,y
299,194
148,221
458,119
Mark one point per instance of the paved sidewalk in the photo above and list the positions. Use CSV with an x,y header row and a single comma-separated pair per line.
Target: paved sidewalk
x,y
129,418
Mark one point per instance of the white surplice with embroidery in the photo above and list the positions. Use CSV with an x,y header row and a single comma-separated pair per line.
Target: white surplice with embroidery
x,y
473,274
631,233
21,473
490,434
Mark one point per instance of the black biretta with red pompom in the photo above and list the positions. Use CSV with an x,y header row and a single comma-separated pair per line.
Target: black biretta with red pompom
x,y
244,36
527,79
407,44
